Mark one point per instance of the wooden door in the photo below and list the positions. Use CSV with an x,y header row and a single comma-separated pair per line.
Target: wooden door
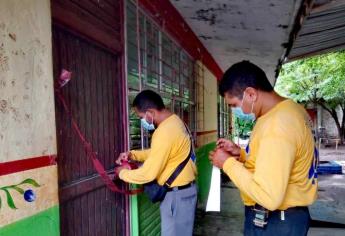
x,y
96,98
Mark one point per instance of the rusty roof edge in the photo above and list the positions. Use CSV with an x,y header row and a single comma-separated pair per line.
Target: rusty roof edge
x,y
315,53
317,8
303,12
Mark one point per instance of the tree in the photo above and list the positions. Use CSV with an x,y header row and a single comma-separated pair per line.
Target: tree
x,y
243,128
319,80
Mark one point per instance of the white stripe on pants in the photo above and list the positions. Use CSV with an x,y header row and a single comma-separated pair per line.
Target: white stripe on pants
x,y
178,212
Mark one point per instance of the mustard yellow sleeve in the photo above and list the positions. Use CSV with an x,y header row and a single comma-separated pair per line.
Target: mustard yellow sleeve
x,y
161,146
140,155
242,155
267,185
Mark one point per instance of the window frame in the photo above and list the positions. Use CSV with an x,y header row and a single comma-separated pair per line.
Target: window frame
x,y
224,118
178,62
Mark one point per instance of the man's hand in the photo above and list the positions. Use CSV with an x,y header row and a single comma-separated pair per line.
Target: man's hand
x,y
124,156
218,157
229,146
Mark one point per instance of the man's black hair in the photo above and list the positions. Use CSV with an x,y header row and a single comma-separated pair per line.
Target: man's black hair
x,y
242,75
148,99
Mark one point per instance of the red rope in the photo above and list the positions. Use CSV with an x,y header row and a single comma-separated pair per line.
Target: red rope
x,y
91,154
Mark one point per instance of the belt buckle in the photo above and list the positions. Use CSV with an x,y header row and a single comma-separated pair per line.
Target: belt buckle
x,y
261,217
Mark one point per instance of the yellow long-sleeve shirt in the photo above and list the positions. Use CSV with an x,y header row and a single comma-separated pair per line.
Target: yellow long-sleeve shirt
x,y
170,145
278,169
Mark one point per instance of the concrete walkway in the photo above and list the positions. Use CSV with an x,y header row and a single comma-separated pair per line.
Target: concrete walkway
x,y
330,205
227,222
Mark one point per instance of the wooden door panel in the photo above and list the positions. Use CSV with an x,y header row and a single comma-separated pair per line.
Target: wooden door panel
x,y
94,95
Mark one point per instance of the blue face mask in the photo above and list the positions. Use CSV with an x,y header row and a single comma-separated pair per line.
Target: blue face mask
x,y
238,112
146,125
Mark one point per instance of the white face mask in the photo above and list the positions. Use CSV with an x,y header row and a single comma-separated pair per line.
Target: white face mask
x,y
146,125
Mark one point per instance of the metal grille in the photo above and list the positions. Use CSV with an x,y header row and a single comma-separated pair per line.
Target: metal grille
x,y
224,116
160,65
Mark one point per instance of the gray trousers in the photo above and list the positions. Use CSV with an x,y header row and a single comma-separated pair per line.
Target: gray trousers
x,y
178,212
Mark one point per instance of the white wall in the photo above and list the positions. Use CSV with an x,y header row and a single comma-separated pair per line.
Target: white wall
x,y
328,122
27,119
207,106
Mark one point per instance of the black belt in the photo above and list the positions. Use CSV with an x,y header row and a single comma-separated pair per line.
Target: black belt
x,y
261,214
181,187
261,208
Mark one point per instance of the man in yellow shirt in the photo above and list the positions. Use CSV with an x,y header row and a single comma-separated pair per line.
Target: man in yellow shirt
x,y
170,146
276,173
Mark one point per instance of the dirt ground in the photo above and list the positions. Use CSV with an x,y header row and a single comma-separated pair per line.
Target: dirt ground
x,y
330,154
330,205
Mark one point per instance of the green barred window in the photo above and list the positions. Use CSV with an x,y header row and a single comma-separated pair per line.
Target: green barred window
x,y
224,118
163,67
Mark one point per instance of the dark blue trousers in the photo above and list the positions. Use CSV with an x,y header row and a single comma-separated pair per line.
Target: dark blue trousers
x,y
295,222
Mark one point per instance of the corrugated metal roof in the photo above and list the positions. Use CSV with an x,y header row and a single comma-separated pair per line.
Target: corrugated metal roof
x,y
322,31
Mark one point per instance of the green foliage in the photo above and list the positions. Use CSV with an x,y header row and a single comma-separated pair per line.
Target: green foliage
x,y
243,128
316,79
16,187
319,80
10,201
31,182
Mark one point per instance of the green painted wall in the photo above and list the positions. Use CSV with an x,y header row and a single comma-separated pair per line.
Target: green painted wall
x,y
45,223
145,217
204,173
134,215
149,217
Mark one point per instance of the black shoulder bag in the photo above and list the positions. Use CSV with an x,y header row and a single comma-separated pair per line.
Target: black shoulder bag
x,y
156,192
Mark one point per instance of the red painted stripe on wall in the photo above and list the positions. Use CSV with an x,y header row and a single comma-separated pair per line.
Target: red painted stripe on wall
x,y
171,20
26,164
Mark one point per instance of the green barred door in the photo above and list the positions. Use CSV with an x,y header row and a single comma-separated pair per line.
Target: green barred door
x,y
145,217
